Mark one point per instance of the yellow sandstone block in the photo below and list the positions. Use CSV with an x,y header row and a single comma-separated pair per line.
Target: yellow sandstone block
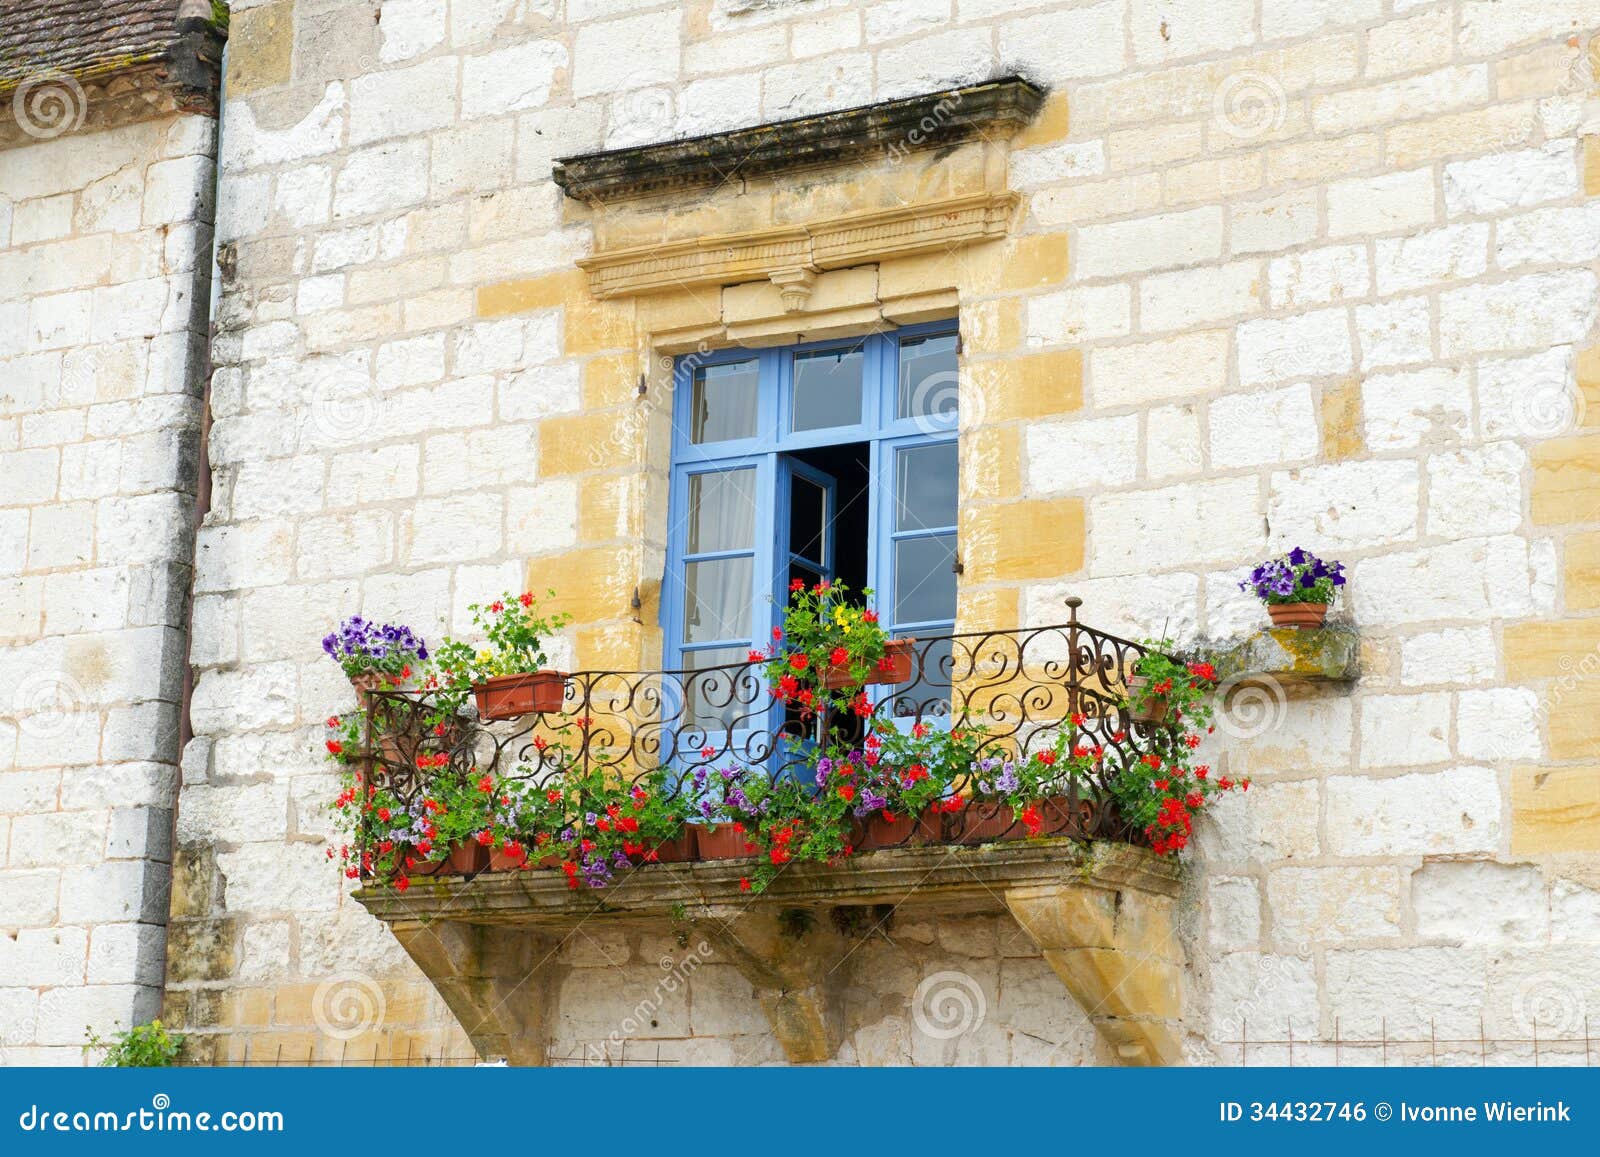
x,y
1341,420
1566,481
1588,373
1035,386
1051,125
606,509
1555,809
994,326
1583,571
1572,706
991,463
1540,650
578,443
526,294
260,48
1022,540
1032,262
994,609
593,586
610,380
1591,165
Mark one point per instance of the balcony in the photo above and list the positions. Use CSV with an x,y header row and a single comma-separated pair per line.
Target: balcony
x,y
1085,887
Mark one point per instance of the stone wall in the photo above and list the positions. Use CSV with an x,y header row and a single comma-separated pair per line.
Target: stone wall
x,y
1283,272
105,256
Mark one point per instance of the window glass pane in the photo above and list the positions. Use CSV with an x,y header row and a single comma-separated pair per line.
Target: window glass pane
x,y
808,516
718,700
716,599
724,402
925,487
722,511
924,584
928,377
827,389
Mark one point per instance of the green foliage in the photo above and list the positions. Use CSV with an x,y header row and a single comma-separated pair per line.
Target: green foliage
x,y
825,630
144,1046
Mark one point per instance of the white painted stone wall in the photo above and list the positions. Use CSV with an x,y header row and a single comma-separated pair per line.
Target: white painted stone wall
x,y
1267,202
105,242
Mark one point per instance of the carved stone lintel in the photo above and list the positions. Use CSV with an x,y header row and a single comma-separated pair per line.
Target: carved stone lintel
x,y
1115,952
790,957
496,979
794,286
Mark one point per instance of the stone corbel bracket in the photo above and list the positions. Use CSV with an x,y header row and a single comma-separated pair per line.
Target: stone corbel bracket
x,y
1291,657
1101,914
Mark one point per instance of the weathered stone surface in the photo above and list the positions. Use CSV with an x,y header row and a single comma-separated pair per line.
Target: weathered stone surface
x,y
1291,656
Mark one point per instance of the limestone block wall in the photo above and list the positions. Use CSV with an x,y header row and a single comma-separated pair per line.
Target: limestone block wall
x,y
105,256
1283,273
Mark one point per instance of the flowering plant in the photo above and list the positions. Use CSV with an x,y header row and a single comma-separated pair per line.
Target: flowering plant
x,y
825,632
921,765
1160,795
1184,685
783,819
515,631
599,824
362,646
1296,577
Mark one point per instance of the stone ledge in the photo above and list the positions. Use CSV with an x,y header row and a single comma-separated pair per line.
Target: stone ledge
x,y
934,119
950,876
1292,657
1100,915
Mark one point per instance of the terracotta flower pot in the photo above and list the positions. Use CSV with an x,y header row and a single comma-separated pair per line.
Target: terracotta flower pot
x,y
876,832
895,667
502,861
1305,616
424,866
681,849
721,842
367,682
984,823
467,858
1152,710
528,693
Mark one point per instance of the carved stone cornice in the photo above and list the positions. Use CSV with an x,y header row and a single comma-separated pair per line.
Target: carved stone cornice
x,y
932,120
776,253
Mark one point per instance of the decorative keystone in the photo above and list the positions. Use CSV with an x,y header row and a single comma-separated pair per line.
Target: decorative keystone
x,y
1115,951
794,287
1289,655
496,979
789,957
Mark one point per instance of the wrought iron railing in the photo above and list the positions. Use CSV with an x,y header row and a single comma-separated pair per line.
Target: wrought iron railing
x,y
1020,686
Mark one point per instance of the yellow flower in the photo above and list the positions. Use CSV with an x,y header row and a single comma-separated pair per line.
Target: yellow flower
x,y
841,616
485,656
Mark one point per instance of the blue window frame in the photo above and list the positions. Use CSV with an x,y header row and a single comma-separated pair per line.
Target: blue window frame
x,y
831,459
